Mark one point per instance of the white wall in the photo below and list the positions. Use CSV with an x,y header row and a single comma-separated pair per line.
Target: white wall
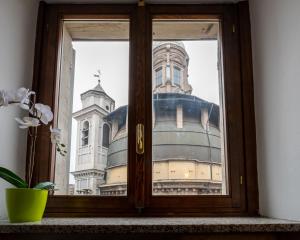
x,y
276,59
17,38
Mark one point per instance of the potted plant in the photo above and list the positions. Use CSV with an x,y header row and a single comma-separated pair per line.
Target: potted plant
x,y
26,203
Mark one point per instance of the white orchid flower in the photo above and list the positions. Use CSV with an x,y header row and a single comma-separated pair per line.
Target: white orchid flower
x,y
55,135
43,112
20,97
28,122
40,113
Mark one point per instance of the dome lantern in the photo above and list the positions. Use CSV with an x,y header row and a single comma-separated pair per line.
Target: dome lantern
x,y
170,68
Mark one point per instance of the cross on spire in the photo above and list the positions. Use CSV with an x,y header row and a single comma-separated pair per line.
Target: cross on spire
x,y
98,75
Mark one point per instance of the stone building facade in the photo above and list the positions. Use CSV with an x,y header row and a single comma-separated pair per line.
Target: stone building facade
x,y
93,134
187,150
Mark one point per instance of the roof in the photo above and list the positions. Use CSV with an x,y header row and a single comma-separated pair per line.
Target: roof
x,y
97,90
170,101
191,142
120,112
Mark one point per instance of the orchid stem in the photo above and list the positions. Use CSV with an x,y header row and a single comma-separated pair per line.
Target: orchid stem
x,y
30,160
33,136
32,155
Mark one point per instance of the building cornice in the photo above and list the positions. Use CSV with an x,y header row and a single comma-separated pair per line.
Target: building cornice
x,y
93,108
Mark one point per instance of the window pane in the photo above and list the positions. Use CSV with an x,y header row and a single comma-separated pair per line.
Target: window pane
x,y
106,134
85,134
188,147
176,75
158,76
92,110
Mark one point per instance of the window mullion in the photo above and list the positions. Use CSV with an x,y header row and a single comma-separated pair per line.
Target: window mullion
x,y
137,161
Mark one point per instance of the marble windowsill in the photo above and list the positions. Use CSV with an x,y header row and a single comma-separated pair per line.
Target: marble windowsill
x,y
151,225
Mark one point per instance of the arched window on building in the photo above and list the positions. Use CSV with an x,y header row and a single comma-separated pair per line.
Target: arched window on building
x,y
85,134
176,75
105,135
158,76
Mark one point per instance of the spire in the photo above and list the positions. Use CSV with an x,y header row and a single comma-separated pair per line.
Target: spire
x,y
98,76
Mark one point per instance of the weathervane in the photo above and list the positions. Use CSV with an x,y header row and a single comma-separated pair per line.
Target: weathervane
x,y
98,75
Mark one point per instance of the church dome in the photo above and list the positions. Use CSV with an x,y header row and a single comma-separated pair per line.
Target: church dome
x,y
171,142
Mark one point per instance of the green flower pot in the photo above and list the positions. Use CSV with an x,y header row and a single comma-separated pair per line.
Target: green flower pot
x,y
25,204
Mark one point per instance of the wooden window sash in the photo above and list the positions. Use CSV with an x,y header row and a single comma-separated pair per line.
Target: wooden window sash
x,y
238,92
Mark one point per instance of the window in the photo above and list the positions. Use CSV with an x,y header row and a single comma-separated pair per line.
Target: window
x,y
85,134
105,138
91,88
179,140
176,75
158,76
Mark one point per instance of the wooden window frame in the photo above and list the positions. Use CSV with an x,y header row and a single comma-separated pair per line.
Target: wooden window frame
x,y
240,121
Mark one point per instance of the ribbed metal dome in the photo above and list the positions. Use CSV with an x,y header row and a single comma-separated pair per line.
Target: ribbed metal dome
x,y
191,142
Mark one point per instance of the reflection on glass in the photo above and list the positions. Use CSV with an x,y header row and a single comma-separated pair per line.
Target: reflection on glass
x,y
158,76
188,139
93,99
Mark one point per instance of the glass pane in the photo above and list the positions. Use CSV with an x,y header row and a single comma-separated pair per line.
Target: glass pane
x,y
92,113
188,140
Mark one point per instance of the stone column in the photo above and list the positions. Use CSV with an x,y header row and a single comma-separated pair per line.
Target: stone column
x,y
204,118
179,116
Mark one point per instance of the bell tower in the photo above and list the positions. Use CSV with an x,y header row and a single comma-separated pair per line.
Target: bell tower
x,y
93,137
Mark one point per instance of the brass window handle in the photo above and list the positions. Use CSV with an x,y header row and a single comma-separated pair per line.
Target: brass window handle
x,y
140,138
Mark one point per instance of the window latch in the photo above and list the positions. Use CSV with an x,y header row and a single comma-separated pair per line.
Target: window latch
x,y
140,138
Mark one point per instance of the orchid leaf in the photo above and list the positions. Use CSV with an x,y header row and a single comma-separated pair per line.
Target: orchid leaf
x,y
12,178
45,185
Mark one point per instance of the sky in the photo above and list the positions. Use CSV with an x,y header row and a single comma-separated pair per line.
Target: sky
x,y
112,59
